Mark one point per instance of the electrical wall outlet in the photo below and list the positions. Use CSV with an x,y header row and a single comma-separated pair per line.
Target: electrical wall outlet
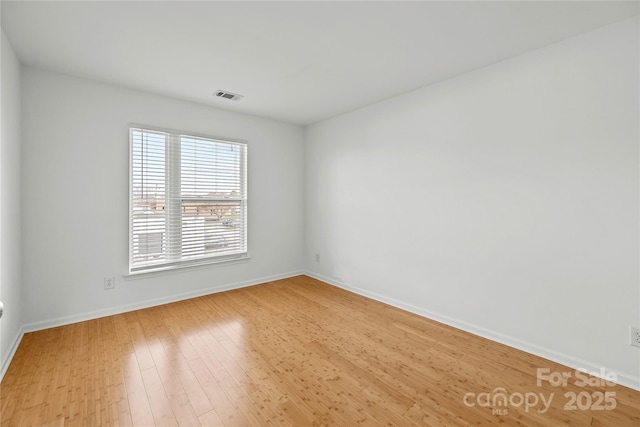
x,y
109,283
634,336
317,257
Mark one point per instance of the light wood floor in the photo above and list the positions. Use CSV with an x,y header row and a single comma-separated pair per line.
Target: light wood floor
x,y
293,352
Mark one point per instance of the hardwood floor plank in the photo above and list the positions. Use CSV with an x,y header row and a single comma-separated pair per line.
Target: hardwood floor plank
x,y
294,352
158,400
136,393
210,418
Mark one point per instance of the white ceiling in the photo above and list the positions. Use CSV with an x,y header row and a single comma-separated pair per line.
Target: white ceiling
x,y
298,62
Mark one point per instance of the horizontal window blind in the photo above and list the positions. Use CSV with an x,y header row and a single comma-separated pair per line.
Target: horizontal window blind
x,y
188,199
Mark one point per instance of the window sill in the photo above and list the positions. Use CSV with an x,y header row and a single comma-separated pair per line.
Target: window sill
x,y
160,271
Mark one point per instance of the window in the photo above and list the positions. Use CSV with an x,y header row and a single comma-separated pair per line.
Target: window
x,y
188,199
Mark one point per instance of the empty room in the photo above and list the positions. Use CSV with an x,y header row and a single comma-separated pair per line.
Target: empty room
x,y
319,213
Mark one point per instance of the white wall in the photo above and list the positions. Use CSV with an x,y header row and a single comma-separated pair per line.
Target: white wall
x,y
503,201
10,222
75,187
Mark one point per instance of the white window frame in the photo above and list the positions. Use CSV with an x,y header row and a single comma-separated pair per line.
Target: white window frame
x,y
174,201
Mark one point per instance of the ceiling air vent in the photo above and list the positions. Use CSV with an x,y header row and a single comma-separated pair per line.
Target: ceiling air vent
x,y
228,95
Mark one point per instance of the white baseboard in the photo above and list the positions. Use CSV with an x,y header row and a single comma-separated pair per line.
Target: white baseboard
x,y
12,352
81,317
624,379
